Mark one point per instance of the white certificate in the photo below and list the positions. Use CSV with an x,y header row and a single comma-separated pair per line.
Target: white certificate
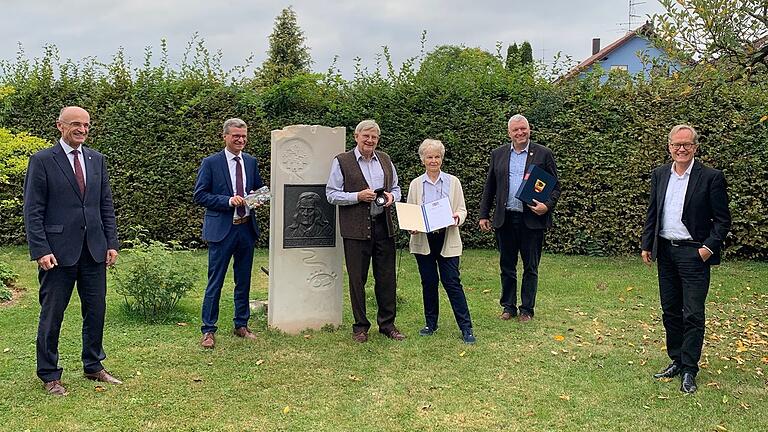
x,y
426,217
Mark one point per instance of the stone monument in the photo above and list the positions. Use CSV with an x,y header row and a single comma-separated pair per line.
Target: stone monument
x,y
305,247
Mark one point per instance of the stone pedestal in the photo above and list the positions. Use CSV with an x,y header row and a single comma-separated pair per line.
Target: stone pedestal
x,y
305,247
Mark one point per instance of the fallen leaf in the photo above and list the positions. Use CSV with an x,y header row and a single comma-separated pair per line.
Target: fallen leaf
x,y
198,379
7,350
307,336
745,405
559,338
100,389
665,379
554,352
662,397
565,397
425,407
725,399
763,119
182,324
259,362
629,288
462,354
138,373
354,378
721,428
486,291
287,409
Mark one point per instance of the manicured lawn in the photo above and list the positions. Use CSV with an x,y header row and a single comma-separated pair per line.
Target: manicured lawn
x,y
584,363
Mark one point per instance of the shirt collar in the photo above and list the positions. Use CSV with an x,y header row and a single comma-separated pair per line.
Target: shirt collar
x,y
359,155
687,171
442,177
231,155
525,150
68,148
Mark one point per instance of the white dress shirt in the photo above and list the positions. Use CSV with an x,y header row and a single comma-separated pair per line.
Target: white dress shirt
x,y
232,165
71,157
672,227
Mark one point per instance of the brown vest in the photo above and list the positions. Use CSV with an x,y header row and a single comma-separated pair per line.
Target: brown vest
x,y
355,219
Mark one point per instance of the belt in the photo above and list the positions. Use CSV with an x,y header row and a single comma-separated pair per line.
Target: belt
x,y
242,220
678,243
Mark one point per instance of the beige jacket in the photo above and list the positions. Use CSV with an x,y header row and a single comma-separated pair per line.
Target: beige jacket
x,y
452,246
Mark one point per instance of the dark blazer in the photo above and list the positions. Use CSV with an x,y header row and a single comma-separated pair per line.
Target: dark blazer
x,y
57,218
497,186
705,209
213,190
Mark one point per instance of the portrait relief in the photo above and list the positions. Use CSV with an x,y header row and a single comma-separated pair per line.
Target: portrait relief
x,y
309,220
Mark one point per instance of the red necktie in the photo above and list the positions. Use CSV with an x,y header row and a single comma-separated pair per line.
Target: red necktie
x,y
239,183
79,173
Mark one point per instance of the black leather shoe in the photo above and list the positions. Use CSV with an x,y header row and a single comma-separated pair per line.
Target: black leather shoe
x,y
671,371
689,383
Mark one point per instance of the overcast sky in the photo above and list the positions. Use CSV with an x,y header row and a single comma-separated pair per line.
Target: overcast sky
x,y
343,28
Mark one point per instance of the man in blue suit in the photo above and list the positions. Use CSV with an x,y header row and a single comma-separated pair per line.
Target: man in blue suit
x,y
229,227
70,222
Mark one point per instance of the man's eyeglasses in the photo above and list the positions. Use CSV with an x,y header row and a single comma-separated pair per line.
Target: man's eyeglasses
x,y
76,124
686,146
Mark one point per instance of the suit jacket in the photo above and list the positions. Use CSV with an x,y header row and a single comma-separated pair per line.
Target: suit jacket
x,y
213,190
705,209
57,218
496,188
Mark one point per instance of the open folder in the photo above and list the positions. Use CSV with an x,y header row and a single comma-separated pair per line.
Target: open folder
x,y
426,217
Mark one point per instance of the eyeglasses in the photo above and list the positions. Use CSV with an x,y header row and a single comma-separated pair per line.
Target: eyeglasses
x,y
686,146
76,124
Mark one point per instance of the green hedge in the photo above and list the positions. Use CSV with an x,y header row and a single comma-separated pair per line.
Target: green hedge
x,y
156,124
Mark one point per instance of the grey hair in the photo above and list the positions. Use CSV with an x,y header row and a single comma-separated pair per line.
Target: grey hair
x,y
234,123
517,118
680,127
431,144
367,124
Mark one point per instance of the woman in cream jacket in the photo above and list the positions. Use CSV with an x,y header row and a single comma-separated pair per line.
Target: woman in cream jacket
x,y
437,253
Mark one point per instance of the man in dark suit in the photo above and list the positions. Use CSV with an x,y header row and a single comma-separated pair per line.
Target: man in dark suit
x,y
229,227
688,219
519,227
70,224
366,227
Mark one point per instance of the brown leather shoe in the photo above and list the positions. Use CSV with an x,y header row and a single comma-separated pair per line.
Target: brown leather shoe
x,y
395,334
208,340
55,388
102,376
244,332
524,318
506,316
360,337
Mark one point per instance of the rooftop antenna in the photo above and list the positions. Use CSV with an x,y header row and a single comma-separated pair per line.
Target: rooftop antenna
x,y
632,15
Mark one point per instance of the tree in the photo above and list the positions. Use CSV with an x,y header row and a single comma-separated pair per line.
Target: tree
x,y
288,56
526,54
735,31
513,57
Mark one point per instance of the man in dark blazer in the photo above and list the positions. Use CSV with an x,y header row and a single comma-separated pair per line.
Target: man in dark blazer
x,y
519,227
70,222
687,221
229,226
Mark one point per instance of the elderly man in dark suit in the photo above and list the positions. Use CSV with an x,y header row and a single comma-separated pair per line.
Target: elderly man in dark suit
x,y
229,227
70,224
687,221
519,227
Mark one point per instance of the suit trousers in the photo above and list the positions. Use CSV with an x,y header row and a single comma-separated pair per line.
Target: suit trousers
x,y
56,286
433,268
358,255
683,288
512,238
237,244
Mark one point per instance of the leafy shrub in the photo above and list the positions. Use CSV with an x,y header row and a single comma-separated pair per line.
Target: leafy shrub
x,y
152,280
8,277
15,150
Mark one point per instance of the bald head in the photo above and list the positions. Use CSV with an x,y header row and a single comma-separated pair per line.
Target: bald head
x,y
74,123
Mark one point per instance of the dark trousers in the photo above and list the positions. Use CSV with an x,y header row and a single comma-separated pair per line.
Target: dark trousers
x,y
56,286
512,238
683,287
358,255
239,244
448,268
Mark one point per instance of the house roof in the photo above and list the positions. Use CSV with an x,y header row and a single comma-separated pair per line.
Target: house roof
x,y
644,30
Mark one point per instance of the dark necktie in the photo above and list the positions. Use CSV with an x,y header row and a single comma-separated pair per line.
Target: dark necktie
x,y
79,173
239,183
